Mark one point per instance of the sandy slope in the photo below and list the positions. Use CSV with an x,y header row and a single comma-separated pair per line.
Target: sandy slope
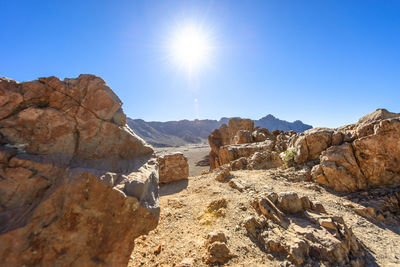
x,y
183,228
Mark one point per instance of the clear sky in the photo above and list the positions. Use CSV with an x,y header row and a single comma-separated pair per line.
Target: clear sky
x,y
326,63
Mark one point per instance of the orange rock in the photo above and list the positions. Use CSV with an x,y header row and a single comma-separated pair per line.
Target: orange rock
x,y
79,185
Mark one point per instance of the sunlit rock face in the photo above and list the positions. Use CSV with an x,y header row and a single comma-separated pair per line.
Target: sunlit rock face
x,y
77,186
173,167
353,157
371,160
241,139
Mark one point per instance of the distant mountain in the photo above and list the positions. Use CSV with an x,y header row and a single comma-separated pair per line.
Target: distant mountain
x,y
178,133
272,123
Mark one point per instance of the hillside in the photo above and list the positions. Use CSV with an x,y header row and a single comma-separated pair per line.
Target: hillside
x,y
178,133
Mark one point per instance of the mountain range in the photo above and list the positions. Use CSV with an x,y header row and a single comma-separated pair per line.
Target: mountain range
x,y
178,133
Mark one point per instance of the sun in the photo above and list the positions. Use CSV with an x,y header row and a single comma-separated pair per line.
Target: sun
x,y
190,47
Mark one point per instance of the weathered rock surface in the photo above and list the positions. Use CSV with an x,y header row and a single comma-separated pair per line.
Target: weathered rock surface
x,y
241,139
368,162
173,167
225,135
298,229
77,186
217,250
382,204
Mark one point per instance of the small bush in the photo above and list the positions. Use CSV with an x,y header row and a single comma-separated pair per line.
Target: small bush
x,y
288,157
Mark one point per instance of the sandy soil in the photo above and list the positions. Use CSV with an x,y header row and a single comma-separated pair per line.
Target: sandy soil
x,y
183,227
194,154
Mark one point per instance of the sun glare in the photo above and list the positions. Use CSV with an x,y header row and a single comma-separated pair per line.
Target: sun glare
x,y
190,48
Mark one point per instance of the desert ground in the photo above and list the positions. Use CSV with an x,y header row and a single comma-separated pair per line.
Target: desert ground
x,y
181,236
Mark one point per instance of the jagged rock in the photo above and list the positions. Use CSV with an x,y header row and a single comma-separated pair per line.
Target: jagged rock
x,y
239,164
264,160
309,145
236,185
243,137
233,152
260,135
223,175
77,186
173,167
368,162
216,237
339,169
218,252
365,125
301,235
238,131
290,202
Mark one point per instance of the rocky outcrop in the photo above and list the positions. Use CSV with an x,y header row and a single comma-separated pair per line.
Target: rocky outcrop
x,y
367,162
309,145
298,229
241,139
77,186
225,135
347,159
173,167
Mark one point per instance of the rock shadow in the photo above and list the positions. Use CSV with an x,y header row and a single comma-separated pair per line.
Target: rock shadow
x,y
173,188
380,206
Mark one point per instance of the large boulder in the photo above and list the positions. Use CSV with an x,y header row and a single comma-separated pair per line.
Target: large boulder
x,y
77,185
368,162
172,167
309,145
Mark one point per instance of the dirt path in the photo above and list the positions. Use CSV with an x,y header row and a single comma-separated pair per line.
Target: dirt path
x,y
180,237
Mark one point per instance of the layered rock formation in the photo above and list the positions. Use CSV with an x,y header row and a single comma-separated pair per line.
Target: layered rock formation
x,y
173,167
77,186
240,139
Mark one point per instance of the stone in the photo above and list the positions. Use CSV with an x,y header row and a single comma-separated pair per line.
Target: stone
x,y
173,167
236,185
76,179
298,251
230,153
318,207
252,227
218,252
216,237
239,164
290,202
260,135
223,175
264,161
243,137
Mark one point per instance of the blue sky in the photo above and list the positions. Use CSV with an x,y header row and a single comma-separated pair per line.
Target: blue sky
x,y
326,63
